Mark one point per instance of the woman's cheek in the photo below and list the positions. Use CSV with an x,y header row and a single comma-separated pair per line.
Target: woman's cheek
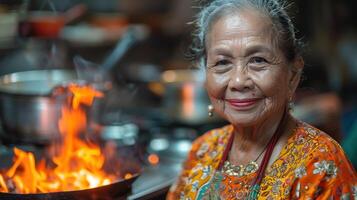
x,y
272,86
216,85
268,82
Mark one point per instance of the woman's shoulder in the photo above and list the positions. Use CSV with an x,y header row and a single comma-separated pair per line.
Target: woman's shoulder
x,y
212,138
207,148
318,141
201,161
317,159
317,148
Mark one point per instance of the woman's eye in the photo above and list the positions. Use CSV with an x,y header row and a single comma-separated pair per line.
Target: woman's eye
x,y
258,63
258,60
221,62
221,66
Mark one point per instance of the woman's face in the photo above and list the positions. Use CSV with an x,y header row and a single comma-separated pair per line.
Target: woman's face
x,y
247,78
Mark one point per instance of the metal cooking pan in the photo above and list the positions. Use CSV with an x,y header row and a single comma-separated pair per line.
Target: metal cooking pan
x,y
28,111
117,190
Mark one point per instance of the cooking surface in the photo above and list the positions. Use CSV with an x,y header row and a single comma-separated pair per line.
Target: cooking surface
x,y
153,182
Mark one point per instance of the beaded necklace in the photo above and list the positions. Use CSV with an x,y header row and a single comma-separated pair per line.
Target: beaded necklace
x,y
255,187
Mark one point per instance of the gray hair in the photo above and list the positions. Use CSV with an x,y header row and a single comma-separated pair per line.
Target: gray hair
x,y
273,9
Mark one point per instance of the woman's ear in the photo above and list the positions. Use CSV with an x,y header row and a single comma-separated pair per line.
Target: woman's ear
x,y
295,75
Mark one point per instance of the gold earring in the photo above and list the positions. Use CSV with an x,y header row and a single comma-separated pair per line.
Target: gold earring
x,y
290,104
210,110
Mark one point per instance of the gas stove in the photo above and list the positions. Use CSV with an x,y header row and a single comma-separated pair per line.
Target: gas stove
x,y
140,136
153,182
155,178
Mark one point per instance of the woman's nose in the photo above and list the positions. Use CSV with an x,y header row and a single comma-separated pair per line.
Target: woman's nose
x,y
240,80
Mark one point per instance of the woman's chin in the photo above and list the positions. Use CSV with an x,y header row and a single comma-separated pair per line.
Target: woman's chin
x,y
244,118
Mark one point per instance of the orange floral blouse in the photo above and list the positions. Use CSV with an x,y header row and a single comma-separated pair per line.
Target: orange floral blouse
x,y
310,166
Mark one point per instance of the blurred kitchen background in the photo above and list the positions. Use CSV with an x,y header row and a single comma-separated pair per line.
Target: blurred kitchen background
x,y
155,98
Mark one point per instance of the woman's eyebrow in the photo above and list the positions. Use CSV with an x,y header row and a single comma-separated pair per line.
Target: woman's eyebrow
x,y
257,49
222,51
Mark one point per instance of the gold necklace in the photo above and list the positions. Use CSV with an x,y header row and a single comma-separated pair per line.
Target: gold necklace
x,y
241,170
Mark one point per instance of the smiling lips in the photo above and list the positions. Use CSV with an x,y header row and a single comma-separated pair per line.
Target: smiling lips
x,y
242,104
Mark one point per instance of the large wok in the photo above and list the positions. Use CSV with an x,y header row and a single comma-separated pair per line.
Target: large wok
x,y
28,111
116,190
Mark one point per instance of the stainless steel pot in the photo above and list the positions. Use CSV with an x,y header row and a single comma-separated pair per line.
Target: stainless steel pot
x,y
185,97
28,111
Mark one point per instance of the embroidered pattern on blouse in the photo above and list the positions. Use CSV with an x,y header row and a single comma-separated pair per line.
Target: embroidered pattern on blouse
x,y
304,169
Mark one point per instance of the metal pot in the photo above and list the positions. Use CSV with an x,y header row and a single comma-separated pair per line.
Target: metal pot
x,y
185,97
28,111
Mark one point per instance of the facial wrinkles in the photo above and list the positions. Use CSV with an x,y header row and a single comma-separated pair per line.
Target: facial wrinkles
x,y
239,71
233,35
237,49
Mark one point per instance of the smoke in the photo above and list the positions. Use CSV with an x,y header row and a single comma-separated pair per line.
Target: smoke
x,y
91,73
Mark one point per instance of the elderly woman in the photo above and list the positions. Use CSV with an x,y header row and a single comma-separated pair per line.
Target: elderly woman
x,y
253,66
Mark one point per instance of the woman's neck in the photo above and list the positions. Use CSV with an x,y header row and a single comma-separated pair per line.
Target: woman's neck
x,y
250,141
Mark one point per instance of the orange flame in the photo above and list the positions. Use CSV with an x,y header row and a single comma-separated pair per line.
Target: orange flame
x,y
78,164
